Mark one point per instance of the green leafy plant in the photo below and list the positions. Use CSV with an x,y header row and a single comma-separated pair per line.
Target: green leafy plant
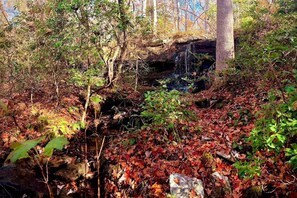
x,y
276,129
28,149
88,79
164,108
269,52
248,169
292,153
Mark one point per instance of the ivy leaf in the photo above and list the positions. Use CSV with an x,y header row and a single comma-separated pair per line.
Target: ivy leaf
x,y
20,150
56,143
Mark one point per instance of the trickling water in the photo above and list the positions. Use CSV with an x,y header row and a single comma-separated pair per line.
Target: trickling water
x,y
184,61
190,64
177,64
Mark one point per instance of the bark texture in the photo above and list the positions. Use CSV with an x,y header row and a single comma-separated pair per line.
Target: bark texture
x,y
155,17
225,37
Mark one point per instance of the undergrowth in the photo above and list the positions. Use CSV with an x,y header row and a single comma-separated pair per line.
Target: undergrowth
x,y
268,53
163,108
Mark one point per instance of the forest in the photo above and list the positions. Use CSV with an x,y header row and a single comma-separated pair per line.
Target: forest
x,y
148,98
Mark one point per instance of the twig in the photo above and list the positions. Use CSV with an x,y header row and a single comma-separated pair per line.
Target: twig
x,y
16,122
98,162
45,177
86,149
291,182
6,191
102,144
269,192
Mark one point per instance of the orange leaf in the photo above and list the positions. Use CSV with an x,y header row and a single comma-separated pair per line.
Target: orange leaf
x,y
157,188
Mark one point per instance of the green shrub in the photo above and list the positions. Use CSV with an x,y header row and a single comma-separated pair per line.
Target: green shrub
x,y
248,169
165,108
276,128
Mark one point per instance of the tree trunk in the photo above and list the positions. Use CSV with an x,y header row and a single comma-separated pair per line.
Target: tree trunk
x,y
133,9
122,40
177,15
3,16
186,16
225,37
155,17
110,65
144,8
206,7
84,115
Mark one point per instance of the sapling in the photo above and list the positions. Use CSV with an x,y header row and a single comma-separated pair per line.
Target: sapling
x,y
27,149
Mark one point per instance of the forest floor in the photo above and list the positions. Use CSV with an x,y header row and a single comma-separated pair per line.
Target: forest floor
x,y
211,143
139,163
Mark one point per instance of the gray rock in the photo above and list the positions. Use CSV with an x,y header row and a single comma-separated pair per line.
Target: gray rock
x,y
181,186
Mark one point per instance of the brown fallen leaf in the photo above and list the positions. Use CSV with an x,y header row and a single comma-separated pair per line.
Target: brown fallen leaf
x,y
157,188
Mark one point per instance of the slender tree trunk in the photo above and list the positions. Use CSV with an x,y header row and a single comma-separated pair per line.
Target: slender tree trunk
x,y
123,53
186,16
144,8
84,115
110,65
225,37
136,74
155,17
133,9
3,13
206,25
123,39
177,15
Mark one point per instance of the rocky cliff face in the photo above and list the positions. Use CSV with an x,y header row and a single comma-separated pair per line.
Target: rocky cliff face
x,y
181,63
182,55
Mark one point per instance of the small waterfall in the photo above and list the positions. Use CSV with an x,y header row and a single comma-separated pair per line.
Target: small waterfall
x,y
177,64
184,61
192,60
188,59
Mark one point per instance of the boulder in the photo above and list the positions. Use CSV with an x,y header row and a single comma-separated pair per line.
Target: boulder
x,y
182,186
